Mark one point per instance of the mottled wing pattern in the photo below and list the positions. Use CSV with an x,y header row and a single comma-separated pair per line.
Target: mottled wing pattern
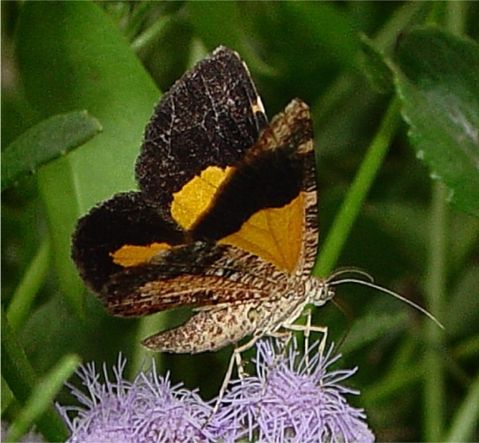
x,y
210,117
309,216
125,219
198,274
268,205
207,330
208,142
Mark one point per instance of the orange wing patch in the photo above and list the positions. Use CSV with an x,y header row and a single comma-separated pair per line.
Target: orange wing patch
x,y
274,234
133,255
195,197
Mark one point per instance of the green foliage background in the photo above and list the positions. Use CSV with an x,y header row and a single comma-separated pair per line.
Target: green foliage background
x,y
112,59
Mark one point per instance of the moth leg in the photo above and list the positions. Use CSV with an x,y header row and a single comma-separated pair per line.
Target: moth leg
x,y
284,336
224,385
307,329
235,358
304,328
306,336
239,363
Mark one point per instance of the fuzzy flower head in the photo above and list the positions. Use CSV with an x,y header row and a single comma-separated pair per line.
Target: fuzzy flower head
x,y
293,398
148,409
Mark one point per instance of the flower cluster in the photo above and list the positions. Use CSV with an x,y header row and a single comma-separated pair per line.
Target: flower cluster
x,y
293,397
149,409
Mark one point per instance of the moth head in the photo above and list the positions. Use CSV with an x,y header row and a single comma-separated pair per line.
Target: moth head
x,y
320,292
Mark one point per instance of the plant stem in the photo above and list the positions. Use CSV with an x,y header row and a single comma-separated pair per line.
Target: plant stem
x,y
21,379
32,281
434,381
151,34
42,396
434,394
358,191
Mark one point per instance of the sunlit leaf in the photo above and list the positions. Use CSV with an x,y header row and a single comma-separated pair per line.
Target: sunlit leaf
x,y
71,56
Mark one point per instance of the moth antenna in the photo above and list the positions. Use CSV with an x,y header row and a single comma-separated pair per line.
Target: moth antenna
x,y
349,270
392,293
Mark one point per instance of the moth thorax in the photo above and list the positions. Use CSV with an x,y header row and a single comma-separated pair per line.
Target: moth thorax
x,y
318,291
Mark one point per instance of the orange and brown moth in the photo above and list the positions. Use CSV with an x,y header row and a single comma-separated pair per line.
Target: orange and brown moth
x,y
225,220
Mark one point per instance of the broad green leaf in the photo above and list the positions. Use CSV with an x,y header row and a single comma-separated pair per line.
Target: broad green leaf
x,y
46,141
42,397
438,82
71,56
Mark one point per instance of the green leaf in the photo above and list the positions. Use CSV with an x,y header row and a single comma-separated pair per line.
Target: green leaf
x,y
151,34
6,396
71,56
24,295
42,397
46,141
438,82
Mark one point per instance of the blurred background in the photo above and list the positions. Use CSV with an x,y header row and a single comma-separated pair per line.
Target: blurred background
x,y
113,59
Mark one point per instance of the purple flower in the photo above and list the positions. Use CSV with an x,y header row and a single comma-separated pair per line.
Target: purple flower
x,y
293,398
148,409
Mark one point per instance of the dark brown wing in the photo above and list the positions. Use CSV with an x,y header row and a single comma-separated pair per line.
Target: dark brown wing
x,y
125,219
200,274
210,117
203,145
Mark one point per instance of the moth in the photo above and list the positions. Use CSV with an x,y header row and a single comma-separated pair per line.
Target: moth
x,y
225,219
